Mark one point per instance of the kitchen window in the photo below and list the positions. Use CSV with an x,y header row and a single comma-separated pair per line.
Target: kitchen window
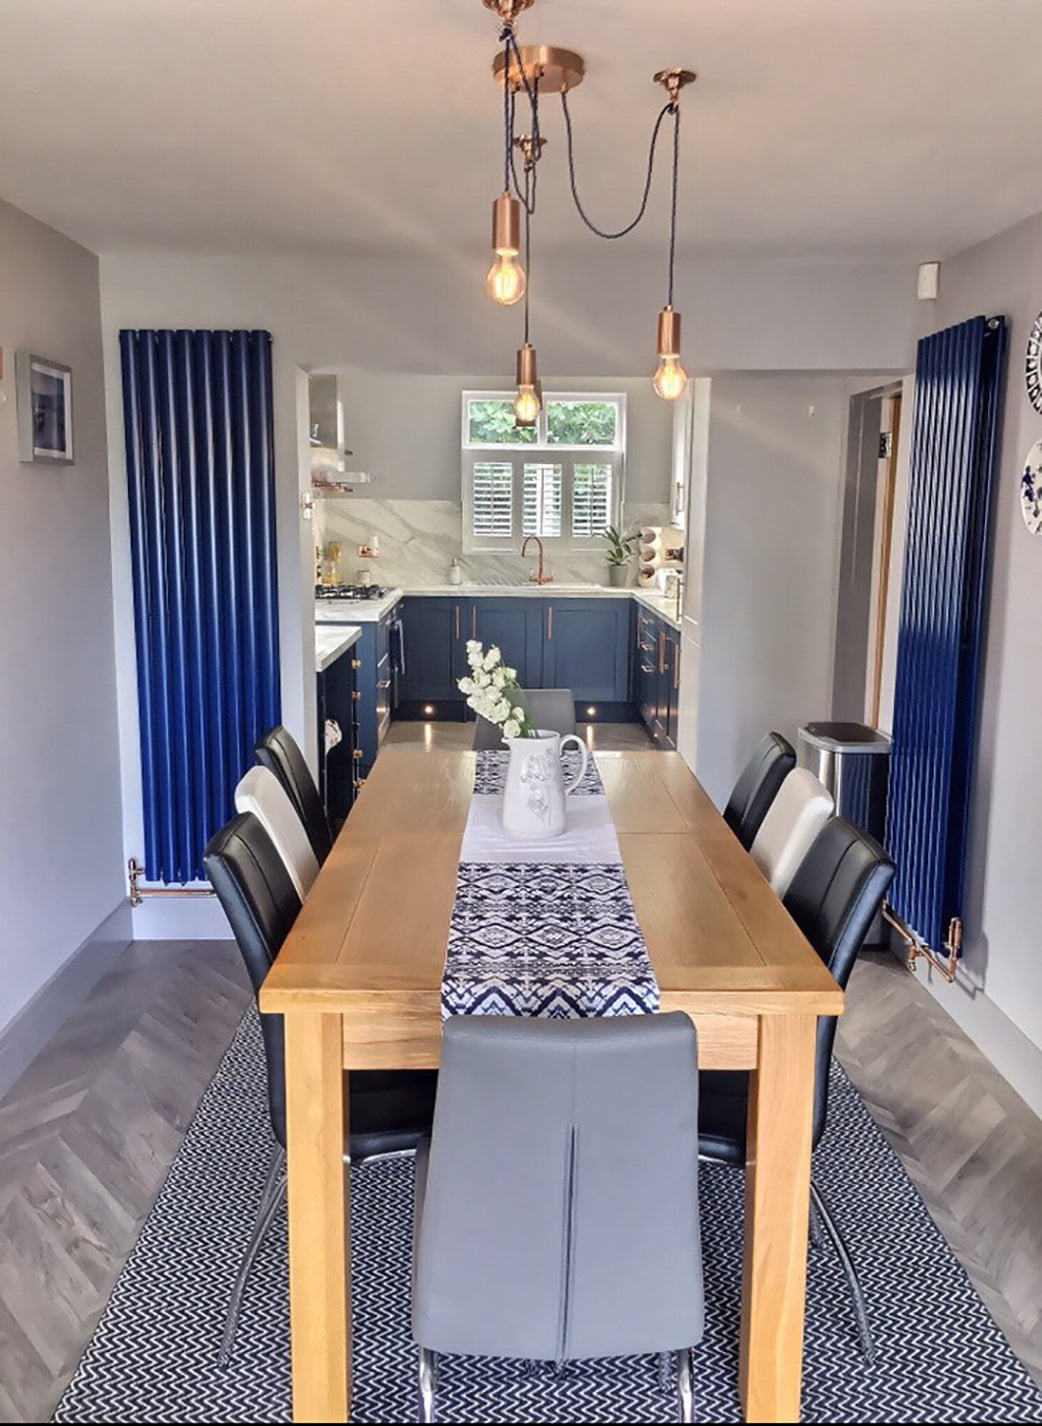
x,y
560,480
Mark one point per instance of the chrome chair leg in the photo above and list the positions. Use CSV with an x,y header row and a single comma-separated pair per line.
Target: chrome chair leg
x,y
666,1373
864,1328
428,1374
815,1225
272,1196
685,1389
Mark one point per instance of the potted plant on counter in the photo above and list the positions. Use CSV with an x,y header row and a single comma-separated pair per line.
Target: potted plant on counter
x,y
619,553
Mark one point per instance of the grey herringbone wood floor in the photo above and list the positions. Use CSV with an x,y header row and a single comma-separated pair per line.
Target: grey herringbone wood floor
x,y
88,1132
86,1137
970,1144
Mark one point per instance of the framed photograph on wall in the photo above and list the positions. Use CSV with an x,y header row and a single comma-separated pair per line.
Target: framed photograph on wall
x,y
44,409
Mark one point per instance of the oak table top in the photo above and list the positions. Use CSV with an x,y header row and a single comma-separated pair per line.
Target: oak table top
x,y
376,921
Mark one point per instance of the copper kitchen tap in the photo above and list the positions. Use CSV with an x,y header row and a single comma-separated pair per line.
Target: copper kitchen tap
x,y
539,577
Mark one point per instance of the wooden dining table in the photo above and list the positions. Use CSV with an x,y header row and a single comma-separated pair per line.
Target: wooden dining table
x,y
359,981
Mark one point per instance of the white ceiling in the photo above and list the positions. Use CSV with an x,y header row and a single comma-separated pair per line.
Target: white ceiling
x,y
905,128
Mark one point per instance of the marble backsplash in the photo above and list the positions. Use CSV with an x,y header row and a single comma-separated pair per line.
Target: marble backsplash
x,y
419,539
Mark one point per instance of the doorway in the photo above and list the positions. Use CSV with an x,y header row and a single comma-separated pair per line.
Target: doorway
x,y
866,551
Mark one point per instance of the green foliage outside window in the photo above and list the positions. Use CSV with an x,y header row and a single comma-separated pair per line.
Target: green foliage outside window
x,y
567,423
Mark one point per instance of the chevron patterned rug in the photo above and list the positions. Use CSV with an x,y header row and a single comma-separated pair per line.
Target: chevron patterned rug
x,y
153,1357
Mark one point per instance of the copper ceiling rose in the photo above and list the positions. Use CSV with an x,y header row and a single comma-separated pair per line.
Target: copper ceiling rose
x,y
557,70
508,10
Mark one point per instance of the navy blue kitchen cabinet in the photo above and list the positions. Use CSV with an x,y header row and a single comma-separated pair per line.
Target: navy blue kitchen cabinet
x,y
515,626
338,700
586,647
376,688
657,676
582,644
436,633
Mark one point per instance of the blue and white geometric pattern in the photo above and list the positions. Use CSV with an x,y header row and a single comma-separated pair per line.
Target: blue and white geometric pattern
x,y
490,773
551,938
548,940
153,1357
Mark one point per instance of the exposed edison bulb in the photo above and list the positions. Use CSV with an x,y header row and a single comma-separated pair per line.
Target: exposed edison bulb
x,y
505,282
670,378
527,406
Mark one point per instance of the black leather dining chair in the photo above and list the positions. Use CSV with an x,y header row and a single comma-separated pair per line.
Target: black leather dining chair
x,y
552,708
833,898
758,786
280,753
390,1111
557,1202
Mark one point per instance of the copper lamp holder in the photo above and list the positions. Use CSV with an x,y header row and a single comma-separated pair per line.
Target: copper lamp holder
x,y
668,332
526,366
506,226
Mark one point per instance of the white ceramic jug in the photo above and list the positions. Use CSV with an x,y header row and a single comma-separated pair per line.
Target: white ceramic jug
x,y
533,801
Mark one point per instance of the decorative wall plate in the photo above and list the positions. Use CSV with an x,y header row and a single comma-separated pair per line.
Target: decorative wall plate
x,y
1031,489
1033,364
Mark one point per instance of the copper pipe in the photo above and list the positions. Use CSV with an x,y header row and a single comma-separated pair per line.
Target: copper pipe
x,y
917,947
136,871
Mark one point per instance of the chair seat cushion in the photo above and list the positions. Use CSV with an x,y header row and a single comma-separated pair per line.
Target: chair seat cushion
x,y
723,1098
390,1110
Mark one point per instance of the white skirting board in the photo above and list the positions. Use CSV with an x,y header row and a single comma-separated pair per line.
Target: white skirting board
x,y
180,918
37,1022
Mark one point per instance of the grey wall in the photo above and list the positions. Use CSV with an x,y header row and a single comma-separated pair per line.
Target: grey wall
x,y
406,430
60,838
775,472
1002,932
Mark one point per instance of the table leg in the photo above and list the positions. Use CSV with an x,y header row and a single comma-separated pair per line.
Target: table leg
x,y
777,1198
319,1270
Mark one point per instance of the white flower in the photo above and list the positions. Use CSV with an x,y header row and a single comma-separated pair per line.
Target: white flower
x,y
492,658
510,674
481,678
511,728
473,646
519,714
499,677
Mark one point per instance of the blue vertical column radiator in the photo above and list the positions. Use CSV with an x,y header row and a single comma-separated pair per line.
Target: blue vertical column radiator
x,y
958,383
197,410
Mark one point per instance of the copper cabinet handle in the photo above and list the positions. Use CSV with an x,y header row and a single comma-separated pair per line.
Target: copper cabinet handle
x,y
356,663
457,621
676,664
549,621
662,651
474,622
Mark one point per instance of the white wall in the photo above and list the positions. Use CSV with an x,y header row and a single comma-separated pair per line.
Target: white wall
x,y
999,995
61,865
775,476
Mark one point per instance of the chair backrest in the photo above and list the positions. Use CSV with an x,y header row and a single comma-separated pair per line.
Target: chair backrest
x,y
280,753
261,903
552,708
834,898
559,1213
758,786
795,817
260,792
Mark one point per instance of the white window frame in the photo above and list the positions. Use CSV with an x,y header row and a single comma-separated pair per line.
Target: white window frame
x,y
541,453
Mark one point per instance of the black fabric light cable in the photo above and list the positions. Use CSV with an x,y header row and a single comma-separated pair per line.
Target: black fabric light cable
x,y
621,232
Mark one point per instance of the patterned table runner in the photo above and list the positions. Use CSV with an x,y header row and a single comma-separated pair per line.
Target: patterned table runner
x,y
544,927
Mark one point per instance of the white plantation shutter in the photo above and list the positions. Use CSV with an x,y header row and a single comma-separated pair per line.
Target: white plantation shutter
x,y
492,499
591,500
541,513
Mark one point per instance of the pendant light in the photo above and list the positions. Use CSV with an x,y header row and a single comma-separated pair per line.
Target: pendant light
x,y
524,71
529,399
506,281
670,378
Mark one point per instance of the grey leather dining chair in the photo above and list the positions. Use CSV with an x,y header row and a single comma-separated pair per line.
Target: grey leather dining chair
x,y
557,1200
552,708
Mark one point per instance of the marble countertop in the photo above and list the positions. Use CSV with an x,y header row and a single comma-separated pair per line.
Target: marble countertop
x,y
331,641
355,611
